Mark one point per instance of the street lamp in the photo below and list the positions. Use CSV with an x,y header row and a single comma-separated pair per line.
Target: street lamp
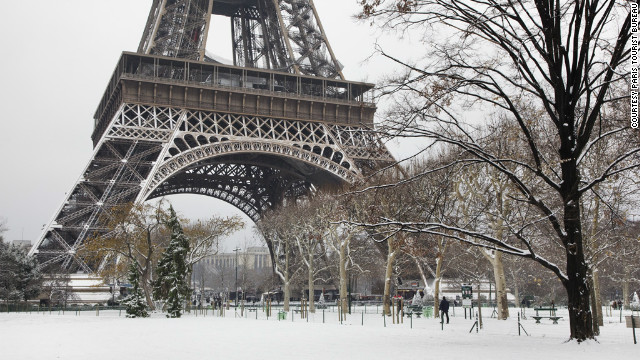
x,y
236,251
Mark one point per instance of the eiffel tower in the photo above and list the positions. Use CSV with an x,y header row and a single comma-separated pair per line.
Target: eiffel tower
x,y
281,121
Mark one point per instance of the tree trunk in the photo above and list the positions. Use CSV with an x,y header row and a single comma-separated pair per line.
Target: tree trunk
x,y
145,282
426,290
501,287
516,290
436,286
596,301
578,290
391,255
312,306
147,274
442,246
287,291
596,304
203,299
343,279
495,257
479,308
626,283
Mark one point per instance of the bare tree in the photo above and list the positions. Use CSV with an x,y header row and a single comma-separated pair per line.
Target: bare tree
x,y
383,202
309,232
349,242
557,59
278,232
57,287
204,236
135,233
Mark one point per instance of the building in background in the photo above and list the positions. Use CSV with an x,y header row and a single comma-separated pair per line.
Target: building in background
x,y
253,258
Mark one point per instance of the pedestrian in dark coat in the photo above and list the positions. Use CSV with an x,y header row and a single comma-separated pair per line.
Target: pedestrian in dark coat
x,y
444,309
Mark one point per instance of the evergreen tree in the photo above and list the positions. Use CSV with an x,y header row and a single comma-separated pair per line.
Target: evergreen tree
x,y
20,279
171,284
135,302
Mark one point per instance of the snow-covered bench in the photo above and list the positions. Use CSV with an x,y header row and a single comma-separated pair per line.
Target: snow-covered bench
x,y
554,318
414,309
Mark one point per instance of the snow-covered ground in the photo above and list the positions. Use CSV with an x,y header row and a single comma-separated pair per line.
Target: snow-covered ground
x,y
111,336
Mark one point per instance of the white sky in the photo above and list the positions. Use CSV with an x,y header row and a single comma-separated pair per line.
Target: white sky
x,y
57,58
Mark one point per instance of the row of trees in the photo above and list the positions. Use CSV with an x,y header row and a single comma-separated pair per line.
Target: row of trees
x,y
147,245
455,219
551,76
20,279
523,109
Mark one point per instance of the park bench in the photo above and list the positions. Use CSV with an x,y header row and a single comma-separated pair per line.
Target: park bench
x,y
551,310
554,318
251,308
414,309
552,314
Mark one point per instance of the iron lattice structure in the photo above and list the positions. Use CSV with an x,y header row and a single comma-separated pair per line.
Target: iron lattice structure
x,y
278,123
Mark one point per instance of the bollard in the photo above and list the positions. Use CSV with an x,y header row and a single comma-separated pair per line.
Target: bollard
x,y
633,325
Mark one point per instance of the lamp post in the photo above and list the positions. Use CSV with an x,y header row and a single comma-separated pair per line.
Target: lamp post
x,y
236,251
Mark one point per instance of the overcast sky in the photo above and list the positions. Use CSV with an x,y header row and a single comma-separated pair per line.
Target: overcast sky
x,y
57,57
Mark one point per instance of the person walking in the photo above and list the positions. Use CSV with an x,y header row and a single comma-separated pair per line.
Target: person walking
x,y
444,309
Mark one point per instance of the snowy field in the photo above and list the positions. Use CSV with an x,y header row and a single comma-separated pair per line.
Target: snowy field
x,y
111,336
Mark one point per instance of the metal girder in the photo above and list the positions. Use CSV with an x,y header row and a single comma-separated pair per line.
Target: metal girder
x,y
112,177
309,48
284,35
177,28
251,188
